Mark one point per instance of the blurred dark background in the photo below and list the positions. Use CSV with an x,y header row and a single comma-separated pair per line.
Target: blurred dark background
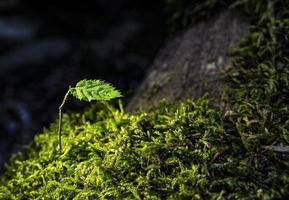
x,y
47,45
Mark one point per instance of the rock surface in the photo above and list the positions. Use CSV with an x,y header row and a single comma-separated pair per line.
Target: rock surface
x,y
189,65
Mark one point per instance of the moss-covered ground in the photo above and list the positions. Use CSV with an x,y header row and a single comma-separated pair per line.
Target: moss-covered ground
x,y
184,151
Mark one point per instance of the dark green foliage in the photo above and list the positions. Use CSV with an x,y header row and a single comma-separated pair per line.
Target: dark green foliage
x,y
185,151
258,88
259,81
182,13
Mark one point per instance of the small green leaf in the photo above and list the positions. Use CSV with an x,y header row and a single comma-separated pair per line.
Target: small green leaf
x,y
89,90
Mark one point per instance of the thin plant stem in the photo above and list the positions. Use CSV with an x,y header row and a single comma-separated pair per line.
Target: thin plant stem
x,y
60,119
108,106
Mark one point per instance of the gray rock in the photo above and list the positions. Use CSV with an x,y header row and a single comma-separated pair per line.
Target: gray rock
x,y
189,65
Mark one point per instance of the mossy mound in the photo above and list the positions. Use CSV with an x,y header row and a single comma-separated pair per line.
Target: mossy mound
x,y
174,152
185,151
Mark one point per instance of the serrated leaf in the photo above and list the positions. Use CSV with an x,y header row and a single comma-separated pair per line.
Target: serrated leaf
x,y
89,90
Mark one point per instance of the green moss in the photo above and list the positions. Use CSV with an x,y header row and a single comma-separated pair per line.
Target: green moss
x,y
173,152
182,13
164,153
184,151
258,83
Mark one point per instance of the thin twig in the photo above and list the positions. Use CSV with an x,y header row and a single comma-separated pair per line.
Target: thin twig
x,y
60,118
278,149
